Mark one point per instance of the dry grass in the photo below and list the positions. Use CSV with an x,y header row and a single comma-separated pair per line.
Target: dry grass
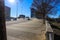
x,y
56,24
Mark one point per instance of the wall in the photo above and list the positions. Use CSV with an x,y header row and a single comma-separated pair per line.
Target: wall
x,y
7,13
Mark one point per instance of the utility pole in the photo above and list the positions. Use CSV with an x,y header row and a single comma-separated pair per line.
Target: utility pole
x,y
17,6
17,10
2,22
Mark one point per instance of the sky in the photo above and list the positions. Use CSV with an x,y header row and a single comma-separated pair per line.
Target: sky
x,y
58,12
20,6
24,8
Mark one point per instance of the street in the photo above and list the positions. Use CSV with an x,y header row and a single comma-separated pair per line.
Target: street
x,y
29,30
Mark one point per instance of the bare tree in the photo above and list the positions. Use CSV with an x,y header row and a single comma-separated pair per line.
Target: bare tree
x,y
45,7
59,16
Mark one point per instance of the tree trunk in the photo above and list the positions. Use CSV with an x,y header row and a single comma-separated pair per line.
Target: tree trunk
x,y
2,22
43,18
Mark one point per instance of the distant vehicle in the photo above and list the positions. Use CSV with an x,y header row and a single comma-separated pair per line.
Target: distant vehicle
x,y
15,19
28,18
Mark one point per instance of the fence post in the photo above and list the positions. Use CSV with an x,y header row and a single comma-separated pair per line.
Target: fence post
x,y
49,32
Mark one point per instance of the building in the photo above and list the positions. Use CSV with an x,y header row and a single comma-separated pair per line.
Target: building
x,y
7,13
35,14
32,12
21,16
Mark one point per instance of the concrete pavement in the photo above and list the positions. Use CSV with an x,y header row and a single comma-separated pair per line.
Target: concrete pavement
x,y
31,30
16,21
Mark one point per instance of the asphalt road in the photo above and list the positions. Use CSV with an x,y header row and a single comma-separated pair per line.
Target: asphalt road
x,y
31,30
